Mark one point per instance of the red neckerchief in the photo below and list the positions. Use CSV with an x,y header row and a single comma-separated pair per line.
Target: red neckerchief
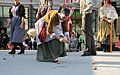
x,y
42,34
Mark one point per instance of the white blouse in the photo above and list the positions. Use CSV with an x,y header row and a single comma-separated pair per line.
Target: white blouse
x,y
105,11
57,30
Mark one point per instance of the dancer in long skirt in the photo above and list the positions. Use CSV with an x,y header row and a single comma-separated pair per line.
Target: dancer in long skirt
x,y
56,35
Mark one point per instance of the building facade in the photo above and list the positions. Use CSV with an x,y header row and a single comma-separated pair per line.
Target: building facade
x,y
31,8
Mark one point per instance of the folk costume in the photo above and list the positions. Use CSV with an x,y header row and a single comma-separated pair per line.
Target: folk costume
x,y
16,13
45,6
104,27
52,48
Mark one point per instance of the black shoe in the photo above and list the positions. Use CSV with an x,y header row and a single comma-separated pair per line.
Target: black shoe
x,y
86,55
12,52
104,50
21,52
93,54
56,61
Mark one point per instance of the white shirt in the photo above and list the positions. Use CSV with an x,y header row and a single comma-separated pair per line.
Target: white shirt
x,y
88,6
56,30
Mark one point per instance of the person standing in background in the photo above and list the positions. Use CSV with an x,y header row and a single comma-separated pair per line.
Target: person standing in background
x,y
86,7
17,16
107,16
45,6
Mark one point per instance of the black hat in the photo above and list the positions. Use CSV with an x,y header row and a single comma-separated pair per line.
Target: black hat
x,y
65,10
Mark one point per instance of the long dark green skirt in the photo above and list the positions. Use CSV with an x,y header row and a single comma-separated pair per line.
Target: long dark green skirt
x,y
51,50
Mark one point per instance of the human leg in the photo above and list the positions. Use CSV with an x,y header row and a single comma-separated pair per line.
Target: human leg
x,y
35,45
22,49
30,45
14,46
89,40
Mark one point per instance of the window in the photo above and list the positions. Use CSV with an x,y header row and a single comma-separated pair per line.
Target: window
x,y
6,11
0,11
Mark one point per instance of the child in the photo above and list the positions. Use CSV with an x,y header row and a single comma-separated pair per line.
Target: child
x,y
81,40
29,41
73,41
4,39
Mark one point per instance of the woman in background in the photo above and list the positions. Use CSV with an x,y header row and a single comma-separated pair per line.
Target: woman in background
x,y
17,16
105,21
45,6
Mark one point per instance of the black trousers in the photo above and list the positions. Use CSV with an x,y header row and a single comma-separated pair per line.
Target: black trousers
x,y
89,40
15,46
32,45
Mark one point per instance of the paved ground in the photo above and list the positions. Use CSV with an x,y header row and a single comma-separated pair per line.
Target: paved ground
x,y
107,63
73,64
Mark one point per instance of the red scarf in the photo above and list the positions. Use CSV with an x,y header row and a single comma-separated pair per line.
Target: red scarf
x,y
42,34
